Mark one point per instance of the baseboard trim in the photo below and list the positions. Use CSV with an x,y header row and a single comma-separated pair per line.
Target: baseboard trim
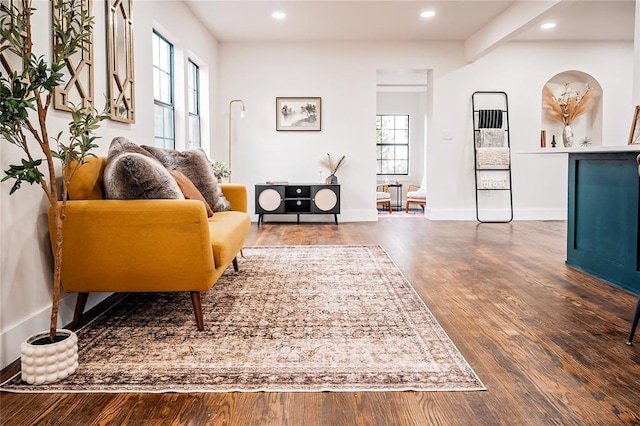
x,y
11,339
498,214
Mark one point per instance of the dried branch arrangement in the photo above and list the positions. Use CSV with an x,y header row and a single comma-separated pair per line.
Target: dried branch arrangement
x,y
329,164
570,104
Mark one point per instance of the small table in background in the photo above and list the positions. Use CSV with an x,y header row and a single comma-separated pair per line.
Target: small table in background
x,y
398,187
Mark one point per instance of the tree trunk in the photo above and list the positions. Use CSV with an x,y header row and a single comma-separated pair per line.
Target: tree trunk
x,y
57,269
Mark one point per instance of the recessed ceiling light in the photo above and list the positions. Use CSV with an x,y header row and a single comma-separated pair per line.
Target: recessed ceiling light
x,y
548,25
428,14
279,15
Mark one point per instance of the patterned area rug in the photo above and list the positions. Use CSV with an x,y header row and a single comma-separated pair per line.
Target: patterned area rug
x,y
295,318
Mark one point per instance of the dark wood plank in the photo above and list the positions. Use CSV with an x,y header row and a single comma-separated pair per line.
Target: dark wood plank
x,y
547,340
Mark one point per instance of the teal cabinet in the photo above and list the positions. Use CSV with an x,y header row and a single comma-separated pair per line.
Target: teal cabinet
x,y
603,226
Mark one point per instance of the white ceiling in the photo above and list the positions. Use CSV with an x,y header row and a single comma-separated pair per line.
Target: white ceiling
x,y
397,20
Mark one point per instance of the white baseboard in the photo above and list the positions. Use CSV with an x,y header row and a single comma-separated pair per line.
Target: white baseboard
x,y
450,214
371,215
497,214
10,340
540,214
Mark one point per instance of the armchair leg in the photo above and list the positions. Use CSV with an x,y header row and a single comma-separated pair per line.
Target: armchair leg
x,y
197,309
235,264
81,303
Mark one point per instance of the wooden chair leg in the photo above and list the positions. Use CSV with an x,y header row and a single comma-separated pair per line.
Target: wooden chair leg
x,y
414,202
235,264
197,309
81,303
636,317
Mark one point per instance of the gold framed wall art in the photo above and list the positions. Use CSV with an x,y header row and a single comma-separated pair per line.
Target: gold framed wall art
x,y
77,89
120,60
634,135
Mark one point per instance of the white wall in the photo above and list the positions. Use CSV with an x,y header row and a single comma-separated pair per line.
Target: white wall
x,y
258,73
344,75
25,255
636,62
521,69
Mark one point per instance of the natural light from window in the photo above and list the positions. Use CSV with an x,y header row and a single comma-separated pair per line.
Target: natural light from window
x,y
164,127
392,134
194,105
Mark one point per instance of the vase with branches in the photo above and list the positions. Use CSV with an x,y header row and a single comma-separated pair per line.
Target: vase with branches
x,y
26,93
333,168
567,107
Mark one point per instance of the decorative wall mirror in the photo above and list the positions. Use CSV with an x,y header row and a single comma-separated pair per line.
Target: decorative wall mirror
x,y
120,60
77,89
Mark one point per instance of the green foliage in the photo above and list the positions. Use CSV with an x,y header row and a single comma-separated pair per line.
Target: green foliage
x,y
25,98
72,27
43,76
23,91
85,121
12,27
220,169
15,102
27,172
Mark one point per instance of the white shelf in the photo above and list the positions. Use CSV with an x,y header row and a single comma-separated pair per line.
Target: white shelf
x,y
583,149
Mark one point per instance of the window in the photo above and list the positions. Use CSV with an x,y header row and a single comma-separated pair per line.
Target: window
x,y
392,134
194,105
164,133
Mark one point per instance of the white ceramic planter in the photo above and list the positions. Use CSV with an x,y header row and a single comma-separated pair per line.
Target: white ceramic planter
x,y
48,363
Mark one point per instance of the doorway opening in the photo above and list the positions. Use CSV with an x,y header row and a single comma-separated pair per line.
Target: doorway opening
x,y
401,139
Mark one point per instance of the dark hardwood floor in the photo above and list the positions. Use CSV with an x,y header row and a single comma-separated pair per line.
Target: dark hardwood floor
x,y
548,341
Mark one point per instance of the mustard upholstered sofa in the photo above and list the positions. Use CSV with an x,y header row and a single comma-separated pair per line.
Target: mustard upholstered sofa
x,y
146,245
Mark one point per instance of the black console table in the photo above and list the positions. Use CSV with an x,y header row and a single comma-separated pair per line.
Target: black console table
x,y
297,198
398,187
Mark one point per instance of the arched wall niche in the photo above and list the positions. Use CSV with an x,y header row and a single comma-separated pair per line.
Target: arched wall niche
x,y
588,125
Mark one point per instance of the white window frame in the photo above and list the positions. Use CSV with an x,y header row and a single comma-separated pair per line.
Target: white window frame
x,y
164,103
385,146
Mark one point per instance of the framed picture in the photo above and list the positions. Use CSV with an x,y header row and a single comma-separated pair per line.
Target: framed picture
x,y
634,136
298,114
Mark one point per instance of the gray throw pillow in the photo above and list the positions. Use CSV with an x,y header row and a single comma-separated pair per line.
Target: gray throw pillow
x,y
121,144
195,165
131,173
223,204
